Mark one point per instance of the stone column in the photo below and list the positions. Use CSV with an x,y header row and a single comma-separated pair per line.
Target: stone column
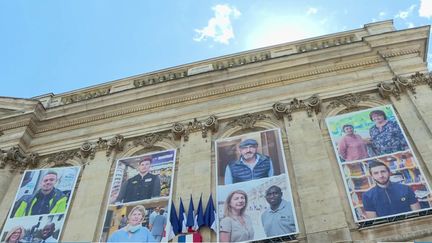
x,y
9,183
89,204
194,175
321,210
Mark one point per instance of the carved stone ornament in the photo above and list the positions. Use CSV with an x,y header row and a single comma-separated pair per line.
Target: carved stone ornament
x,y
310,104
398,85
88,150
1,133
17,159
149,140
60,158
422,78
386,90
247,120
116,143
350,101
85,95
209,124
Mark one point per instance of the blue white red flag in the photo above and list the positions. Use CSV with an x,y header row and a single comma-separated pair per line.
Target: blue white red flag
x,y
199,217
191,216
182,218
210,215
194,237
173,224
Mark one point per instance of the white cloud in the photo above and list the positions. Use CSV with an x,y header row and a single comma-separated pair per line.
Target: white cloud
x,y
410,25
382,14
405,13
311,11
219,27
425,9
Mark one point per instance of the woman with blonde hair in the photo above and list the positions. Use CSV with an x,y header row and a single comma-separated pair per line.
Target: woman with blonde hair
x,y
236,225
133,231
15,235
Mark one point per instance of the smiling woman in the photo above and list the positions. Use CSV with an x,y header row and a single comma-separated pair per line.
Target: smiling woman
x,y
134,231
236,225
15,235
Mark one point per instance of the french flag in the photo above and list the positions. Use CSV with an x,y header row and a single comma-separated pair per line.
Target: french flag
x,y
190,223
199,217
210,215
172,226
182,218
194,237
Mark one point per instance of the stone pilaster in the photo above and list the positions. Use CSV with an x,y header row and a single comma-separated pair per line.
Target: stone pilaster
x,y
6,177
9,183
417,120
89,204
321,210
194,175
423,102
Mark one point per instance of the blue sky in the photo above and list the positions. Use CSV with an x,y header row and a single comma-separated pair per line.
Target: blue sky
x,y
59,46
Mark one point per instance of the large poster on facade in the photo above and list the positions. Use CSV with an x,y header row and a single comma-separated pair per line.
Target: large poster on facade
x,y
40,206
254,200
140,198
381,173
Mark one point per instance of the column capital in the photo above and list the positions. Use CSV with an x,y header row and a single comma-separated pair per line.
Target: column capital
x,y
17,159
310,104
183,130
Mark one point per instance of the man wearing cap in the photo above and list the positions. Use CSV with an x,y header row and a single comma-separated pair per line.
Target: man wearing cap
x,y
251,165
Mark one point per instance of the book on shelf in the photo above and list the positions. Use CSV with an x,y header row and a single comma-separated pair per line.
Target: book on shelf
x,y
357,199
356,184
356,169
411,176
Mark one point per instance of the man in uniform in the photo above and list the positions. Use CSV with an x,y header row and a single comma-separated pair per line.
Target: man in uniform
x,y
251,165
47,200
386,197
279,218
142,186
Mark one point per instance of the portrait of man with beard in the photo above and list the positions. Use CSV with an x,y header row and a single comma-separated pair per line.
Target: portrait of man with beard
x,y
251,164
386,197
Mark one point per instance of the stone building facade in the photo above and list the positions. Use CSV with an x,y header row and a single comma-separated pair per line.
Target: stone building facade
x,y
292,86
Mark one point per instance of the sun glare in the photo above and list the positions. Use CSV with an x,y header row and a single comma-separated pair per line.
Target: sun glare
x,y
278,30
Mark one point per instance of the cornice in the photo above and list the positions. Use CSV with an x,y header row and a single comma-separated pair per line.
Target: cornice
x,y
90,94
225,91
388,54
373,33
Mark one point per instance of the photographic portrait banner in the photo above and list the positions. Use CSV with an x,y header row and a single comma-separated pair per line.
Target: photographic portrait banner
x,y
254,200
381,174
143,184
41,204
